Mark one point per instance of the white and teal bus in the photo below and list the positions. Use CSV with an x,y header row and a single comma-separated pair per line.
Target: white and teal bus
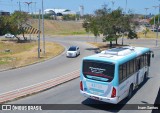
x,y
112,75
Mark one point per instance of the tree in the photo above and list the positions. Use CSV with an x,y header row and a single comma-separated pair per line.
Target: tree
x,y
91,25
19,20
111,25
69,17
132,34
145,31
14,24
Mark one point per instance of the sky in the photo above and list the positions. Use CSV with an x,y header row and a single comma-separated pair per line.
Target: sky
x,y
137,6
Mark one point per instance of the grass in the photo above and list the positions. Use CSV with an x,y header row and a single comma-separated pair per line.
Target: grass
x,y
150,34
53,27
14,47
6,60
22,54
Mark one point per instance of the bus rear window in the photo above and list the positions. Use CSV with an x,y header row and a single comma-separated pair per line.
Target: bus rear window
x,y
100,71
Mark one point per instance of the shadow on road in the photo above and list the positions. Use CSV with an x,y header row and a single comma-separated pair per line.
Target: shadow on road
x,y
95,50
98,105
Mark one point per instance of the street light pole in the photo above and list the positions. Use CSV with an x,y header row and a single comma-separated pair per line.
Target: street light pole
x,y
28,3
19,6
146,12
43,28
156,26
154,17
125,13
113,2
158,12
39,50
126,7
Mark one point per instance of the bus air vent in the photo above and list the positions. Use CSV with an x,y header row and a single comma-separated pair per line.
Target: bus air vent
x,y
121,51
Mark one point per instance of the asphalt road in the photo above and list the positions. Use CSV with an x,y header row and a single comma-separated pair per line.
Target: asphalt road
x,y
40,72
68,93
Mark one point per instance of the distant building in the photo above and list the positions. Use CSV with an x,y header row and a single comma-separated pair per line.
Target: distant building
x,y
58,12
4,13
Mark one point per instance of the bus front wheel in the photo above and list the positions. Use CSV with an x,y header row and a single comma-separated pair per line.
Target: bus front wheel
x,y
130,93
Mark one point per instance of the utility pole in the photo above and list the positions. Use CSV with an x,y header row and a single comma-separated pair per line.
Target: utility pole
x,y
156,26
154,16
113,2
28,3
39,50
159,13
126,7
43,28
124,15
19,5
35,6
12,5
146,12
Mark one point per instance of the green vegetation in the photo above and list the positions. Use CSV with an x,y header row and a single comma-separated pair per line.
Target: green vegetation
x,y
111,24
15,47
6,60
156,20
150,34
14,24
53,27
145,31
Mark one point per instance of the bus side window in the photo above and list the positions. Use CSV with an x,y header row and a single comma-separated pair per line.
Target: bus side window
x,y
138,64
124,71
131,66
145,59
128,69
148,59
120,73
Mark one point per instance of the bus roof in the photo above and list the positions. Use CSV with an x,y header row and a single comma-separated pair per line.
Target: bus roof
x,y
118,55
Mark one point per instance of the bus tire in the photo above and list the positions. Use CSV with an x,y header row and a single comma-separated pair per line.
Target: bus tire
x,y
130,93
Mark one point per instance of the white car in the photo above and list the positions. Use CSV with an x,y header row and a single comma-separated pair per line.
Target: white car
x,y
73,51
8,35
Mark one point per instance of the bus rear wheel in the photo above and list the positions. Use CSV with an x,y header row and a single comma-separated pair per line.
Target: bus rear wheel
x,y
130,93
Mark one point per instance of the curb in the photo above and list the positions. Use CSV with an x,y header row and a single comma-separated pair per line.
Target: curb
x,y
22,92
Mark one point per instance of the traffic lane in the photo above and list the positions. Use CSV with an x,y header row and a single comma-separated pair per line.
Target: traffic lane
x,y
68,93
134,42
40,72
64,94
148,92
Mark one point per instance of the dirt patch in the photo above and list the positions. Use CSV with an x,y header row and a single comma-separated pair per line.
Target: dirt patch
x,y
22,54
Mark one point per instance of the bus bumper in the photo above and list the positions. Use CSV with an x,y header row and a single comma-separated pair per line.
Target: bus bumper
x,y
100,98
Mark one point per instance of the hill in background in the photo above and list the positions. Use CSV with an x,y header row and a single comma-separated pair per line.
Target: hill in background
x,y
53,27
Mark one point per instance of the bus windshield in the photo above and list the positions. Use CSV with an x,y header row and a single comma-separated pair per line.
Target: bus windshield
x,y
98,70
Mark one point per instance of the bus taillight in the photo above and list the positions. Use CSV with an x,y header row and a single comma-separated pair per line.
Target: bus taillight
x,y
81,86
113,93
